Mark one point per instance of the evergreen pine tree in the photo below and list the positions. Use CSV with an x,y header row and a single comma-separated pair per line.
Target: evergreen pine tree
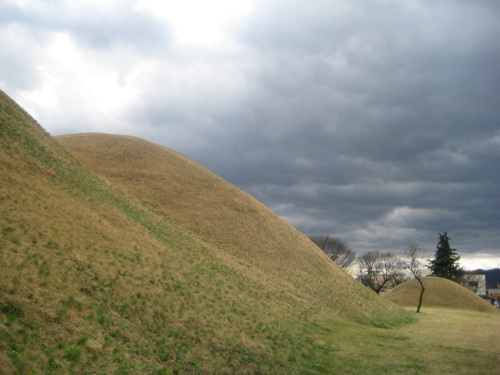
x,y
446,260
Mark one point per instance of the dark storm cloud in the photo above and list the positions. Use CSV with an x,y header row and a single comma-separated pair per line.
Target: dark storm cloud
x,y
374,122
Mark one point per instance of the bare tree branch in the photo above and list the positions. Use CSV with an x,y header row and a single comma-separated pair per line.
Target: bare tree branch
x,y
413,264
336,249
379,271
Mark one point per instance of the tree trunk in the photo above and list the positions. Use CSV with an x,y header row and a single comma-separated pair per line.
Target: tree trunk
x,y
421,294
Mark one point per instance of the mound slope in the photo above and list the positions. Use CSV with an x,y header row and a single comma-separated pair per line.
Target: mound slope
x,y
95,279
194,198
92,281
439,292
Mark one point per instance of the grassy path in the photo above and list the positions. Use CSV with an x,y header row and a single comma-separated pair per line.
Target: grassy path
x,y
441,341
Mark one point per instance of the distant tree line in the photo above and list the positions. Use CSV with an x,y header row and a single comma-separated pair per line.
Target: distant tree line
x,y
380,271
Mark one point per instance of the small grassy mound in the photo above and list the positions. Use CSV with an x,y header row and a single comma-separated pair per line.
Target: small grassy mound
x,y
439,292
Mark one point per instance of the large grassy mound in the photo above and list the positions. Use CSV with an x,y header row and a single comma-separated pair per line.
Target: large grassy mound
x,y
92,280
229,219
438,292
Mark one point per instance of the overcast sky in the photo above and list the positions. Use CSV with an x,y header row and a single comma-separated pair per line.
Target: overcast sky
x,y
375,121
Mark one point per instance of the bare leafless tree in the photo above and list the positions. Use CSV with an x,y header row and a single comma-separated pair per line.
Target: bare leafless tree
x,y
413,264
473,282
336,249
380,271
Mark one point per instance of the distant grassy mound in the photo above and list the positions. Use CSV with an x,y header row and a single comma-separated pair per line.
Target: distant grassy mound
x,y
96,278
438,293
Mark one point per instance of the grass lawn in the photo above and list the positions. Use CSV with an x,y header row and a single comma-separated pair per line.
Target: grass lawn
x,y
441,341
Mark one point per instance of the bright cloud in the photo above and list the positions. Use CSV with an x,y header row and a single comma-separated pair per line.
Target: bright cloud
x,y
70,76
199,22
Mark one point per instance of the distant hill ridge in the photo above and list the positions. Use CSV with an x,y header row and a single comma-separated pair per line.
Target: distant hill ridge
x,y
146,262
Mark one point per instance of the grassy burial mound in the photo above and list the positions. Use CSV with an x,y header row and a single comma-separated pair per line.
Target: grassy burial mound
x,y
94,278
439,292
202,203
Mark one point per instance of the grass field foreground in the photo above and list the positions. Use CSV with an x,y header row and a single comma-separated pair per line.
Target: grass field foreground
x,y
440,341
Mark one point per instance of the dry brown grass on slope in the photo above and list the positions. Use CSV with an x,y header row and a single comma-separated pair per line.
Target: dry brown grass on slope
x,y
228,218
92,281
439,292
